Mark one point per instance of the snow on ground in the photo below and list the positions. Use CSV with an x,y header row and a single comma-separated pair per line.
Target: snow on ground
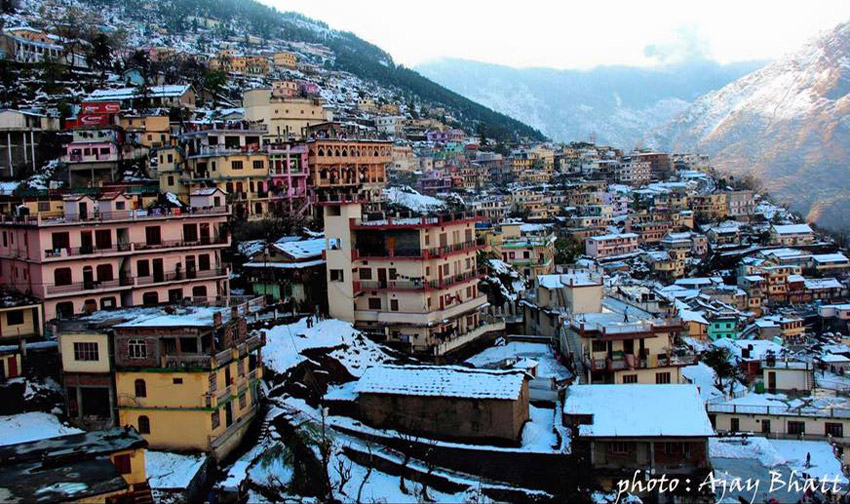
x,y
824,464
548,365
171,471
285,343
755,448
538,434
26,427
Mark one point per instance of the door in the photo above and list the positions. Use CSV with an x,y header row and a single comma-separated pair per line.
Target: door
x,y
382,277
771,380
83,210
190,267
158,273
734,425
88,277
86,242
205,233
13,367
228,414
765,426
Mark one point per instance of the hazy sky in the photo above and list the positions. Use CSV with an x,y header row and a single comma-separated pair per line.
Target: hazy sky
x,y
578,34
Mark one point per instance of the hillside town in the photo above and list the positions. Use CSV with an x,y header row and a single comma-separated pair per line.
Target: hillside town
x,y
270,280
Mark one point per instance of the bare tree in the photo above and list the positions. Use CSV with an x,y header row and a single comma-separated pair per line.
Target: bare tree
x,y
369,468
343,472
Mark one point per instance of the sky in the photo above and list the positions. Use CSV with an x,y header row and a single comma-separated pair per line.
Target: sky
x,y
578,34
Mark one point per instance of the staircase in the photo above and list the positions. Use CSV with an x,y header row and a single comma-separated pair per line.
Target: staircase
x,y
573,348
141,494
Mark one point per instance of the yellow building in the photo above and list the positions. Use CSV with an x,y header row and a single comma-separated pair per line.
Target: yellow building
x,y
609,348
285,59
530,248
149,131
188,381
284,117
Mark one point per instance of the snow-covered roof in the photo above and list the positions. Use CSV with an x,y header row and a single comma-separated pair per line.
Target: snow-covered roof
x,y
171,91
576,278
613,236
284,265
822,283
302,249
784,229
633,410
830,258
442,381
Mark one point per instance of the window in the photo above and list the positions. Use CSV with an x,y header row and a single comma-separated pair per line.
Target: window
x,y
141,388
662,377
258,164
144,425
137,349
177,381
86,351
62,276
236,165
393,304
216,419
374,303
190,232
796,427
630,378
834,429
336,275
618,447
143,268
43,206
103,238
243,401
15,317
152,235
122,463
599,346
365,273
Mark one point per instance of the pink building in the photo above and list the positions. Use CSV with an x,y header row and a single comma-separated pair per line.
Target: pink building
x,y
610,245
289,173
106,254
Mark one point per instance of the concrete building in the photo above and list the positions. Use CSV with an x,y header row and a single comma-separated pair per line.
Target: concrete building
x,y
625,429
446,402
189,380
410,281
560,295
790,235
609,348
106,253
604,246
21,132
348,169
530,248
288,118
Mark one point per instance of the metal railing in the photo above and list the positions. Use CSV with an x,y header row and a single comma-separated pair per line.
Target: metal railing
x,y
747,409
417,285
178,275
118,215
89,285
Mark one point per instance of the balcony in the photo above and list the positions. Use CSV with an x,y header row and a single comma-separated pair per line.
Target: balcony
x,y
116,216
167,244
416,285
89,286
415,222
417,253
81,252
181,276
469,336
420,319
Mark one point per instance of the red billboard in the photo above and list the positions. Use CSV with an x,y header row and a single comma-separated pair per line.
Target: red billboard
x,y
93,120
101,108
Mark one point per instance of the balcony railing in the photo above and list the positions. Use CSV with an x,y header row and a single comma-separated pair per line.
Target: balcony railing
x,y
217,240
427,253
119,215
89,286
417,285
179,275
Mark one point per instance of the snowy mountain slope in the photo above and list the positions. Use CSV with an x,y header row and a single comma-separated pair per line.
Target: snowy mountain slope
x,y
786,123
615,104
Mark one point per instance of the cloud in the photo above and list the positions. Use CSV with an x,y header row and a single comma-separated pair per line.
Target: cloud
x,y
688,45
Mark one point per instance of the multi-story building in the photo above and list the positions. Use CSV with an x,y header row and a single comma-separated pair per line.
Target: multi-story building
x,y
609,245
177,95
411,281
530,248
740,204
346,169
289,190
189,381
151,131
609,348
634,172
560,295
21,132
710,207
284,117
104,253
285,59
98,154
660,165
